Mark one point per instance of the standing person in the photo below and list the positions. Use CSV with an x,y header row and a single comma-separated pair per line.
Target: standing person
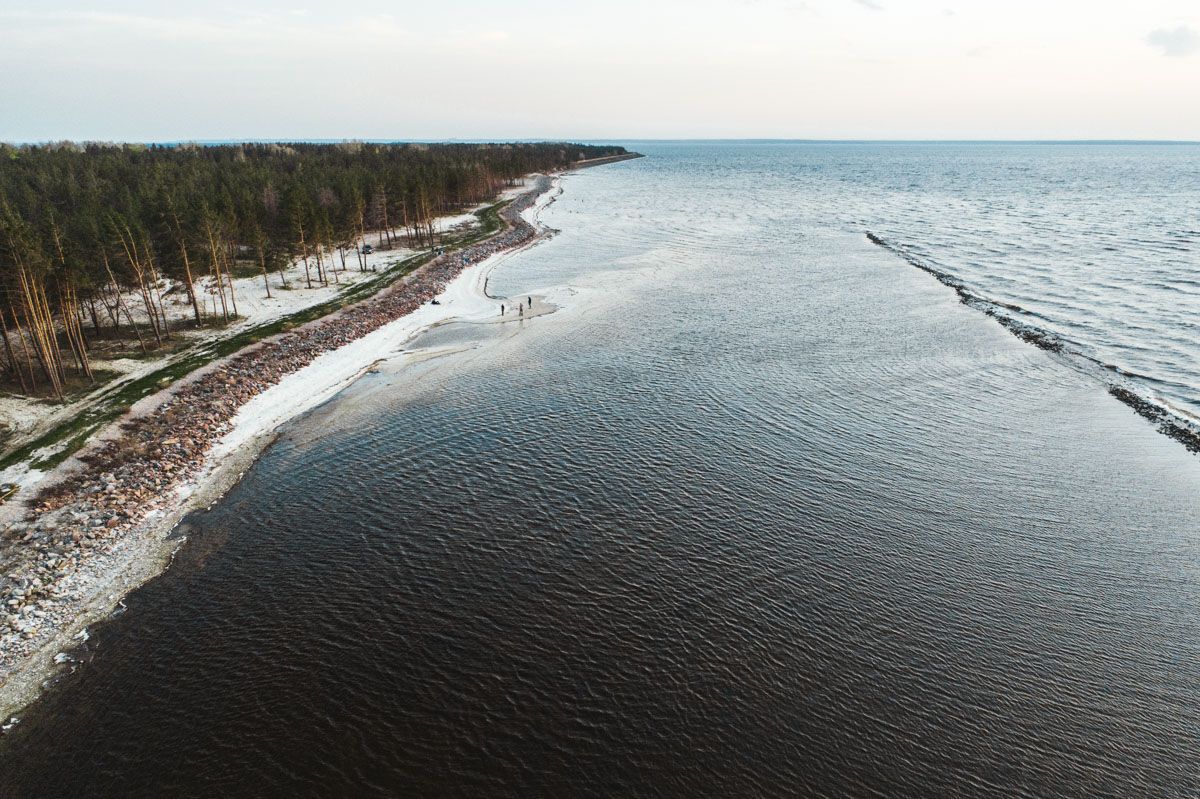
x,y
530,302
502,309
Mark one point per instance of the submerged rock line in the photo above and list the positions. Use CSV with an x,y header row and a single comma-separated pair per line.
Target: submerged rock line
x,y
1163,419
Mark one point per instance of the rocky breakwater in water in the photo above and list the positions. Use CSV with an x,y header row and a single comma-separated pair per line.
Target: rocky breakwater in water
x,y
126,482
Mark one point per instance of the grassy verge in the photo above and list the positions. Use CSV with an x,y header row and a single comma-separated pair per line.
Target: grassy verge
x,y
66,438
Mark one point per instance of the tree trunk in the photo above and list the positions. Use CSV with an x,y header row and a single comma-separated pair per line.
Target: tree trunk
x,y
121,303
41,343
187,268
262,262
232,290
155,279
304,252
24,346
215,267
95,317
131,253
13,368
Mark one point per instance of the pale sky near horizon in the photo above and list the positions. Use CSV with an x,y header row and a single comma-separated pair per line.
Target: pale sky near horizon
x,y
923,69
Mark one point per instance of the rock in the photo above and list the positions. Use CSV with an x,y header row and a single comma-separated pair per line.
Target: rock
x,y
129,478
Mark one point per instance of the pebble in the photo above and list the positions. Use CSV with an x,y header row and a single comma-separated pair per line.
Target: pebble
x,y
83,518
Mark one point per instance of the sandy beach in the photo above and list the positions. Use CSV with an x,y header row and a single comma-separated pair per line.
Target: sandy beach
x,y
107,525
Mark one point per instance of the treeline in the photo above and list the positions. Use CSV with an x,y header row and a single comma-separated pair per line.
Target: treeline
x,y
92,235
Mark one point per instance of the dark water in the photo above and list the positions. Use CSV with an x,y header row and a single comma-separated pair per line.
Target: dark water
x,y
762,511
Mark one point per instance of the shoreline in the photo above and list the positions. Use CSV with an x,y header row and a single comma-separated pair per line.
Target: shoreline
x,y
69,592
38,437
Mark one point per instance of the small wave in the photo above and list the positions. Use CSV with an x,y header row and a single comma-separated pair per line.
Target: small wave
x,y
1168,421
1022,330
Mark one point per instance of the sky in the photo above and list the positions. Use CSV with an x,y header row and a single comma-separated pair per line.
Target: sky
x,y
608,69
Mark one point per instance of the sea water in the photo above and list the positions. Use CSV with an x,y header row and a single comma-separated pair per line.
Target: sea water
x,y
761,510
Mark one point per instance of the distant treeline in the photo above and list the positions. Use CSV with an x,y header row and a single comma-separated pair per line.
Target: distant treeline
x,y
84,227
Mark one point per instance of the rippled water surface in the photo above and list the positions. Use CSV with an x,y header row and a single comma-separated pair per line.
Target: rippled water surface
x,y
1097,245
762,510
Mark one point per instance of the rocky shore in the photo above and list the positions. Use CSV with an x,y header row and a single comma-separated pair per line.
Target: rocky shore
x,y
84,526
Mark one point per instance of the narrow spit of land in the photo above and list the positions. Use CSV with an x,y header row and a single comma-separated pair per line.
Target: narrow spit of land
x,y
100,529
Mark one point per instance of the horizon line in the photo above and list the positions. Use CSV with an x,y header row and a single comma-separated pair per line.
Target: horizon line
x,y
583,140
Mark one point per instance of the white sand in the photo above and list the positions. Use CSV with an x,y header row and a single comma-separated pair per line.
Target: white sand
x,y
307,388
464,299
26,418
96,588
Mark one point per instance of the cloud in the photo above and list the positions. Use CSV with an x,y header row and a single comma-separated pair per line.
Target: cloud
x,y
871,4
1174,42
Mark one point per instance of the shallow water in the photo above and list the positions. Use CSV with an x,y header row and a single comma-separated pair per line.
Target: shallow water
x,y
762,510
1097,245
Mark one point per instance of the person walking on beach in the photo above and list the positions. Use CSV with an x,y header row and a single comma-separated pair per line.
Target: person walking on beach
x,y
530,302
502,309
